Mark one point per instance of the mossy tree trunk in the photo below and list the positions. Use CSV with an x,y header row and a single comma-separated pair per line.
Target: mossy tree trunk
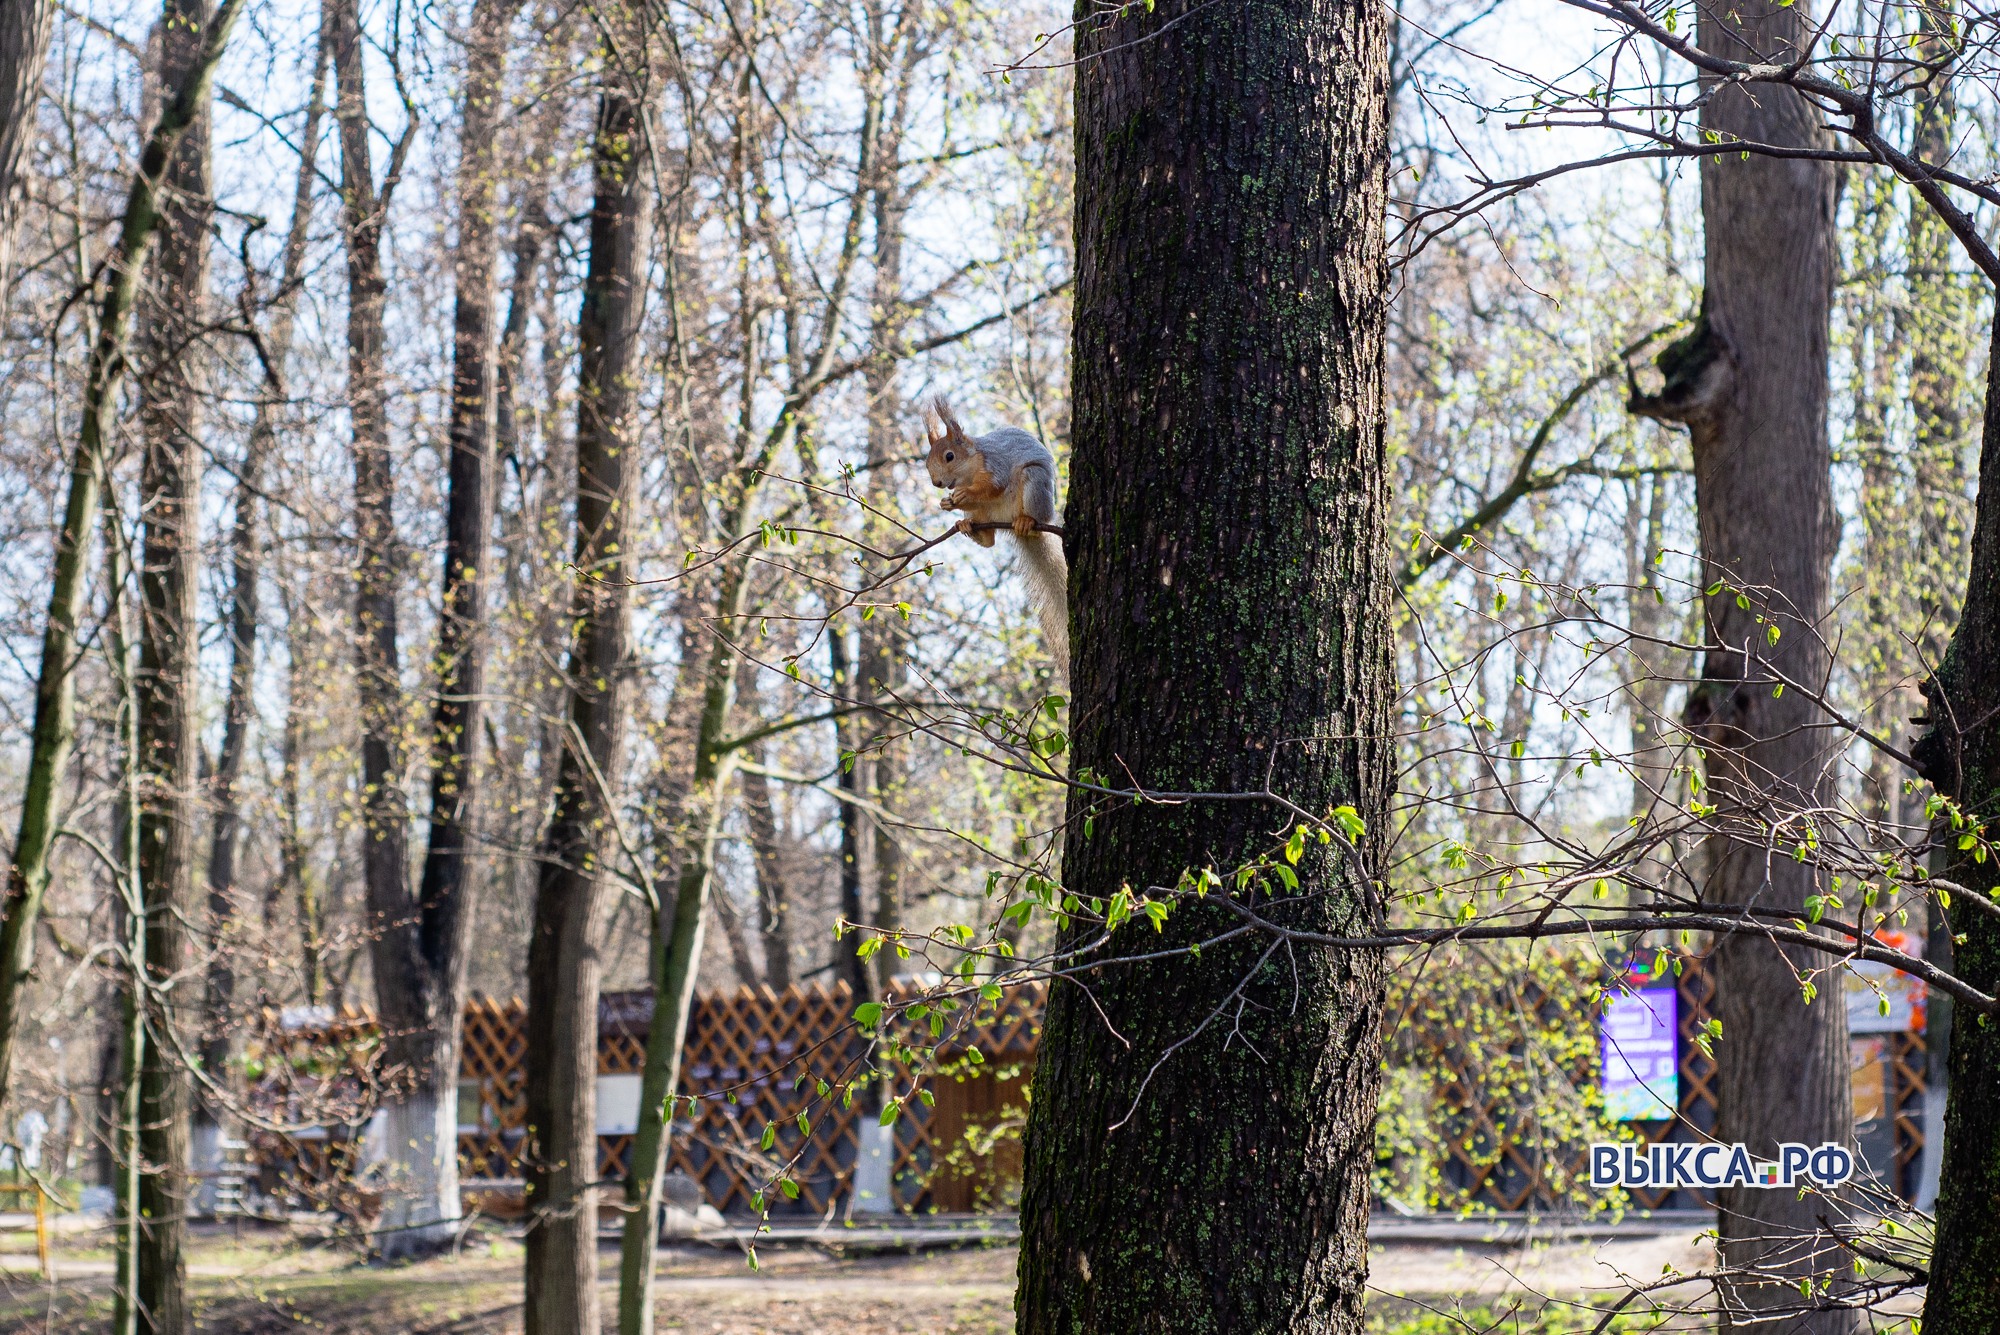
x,y
172,312
1960,755
1229,594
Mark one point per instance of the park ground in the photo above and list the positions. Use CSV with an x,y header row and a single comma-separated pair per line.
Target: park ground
x,y
261,1281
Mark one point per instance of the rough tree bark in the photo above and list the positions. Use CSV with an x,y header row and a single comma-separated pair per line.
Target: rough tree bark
x,y
172,313
1229,590
421,955
563,960
1960,755
55,687
25,26
1750,382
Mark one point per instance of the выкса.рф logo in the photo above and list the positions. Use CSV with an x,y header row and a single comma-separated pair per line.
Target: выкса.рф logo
x,y
1663,1167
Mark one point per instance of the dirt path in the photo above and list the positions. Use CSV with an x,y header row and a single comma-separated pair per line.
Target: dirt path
x,y
264,1284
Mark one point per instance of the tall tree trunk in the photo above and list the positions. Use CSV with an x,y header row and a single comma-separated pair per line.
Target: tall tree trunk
x,y
570,894
128,915
774,893
1751,384
294,876
55,687
25,26
172,316
1960,754
385,815
882,641
846,744
421,954
1228,462
224,907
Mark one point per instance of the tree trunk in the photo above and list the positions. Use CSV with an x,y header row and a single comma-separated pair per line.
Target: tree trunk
x,y
678,929
846,761
1230,596
55,687
1751,384
25,26
421,954
172,318
563,960
774,894
882,641
293,873
1960,754
224,908
385,814
129,918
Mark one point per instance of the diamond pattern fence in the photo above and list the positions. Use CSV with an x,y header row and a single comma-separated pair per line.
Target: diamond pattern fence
x,y
754,1058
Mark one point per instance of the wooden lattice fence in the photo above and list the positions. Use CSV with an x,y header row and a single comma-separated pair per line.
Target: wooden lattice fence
x,y
754,1057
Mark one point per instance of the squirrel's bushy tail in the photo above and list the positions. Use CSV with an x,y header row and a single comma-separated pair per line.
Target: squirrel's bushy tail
x,y
1048,585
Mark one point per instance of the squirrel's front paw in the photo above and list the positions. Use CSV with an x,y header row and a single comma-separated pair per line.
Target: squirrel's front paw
x,y
965,526
1024,525
953,500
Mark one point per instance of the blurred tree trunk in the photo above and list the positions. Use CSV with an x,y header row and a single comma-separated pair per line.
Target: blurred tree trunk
x,y
54,731
563,952
377,552
172,319
25,26
774,892
245,570
1230,593
881,640
421,952
1750,382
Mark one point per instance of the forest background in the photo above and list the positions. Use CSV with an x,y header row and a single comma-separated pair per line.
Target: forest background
x,y
854,208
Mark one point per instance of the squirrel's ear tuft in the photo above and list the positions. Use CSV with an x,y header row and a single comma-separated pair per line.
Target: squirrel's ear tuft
x,y
948,427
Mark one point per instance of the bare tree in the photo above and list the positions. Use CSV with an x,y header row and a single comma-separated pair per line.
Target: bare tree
x,y
24,48
564,965
421,958
55,694
171,316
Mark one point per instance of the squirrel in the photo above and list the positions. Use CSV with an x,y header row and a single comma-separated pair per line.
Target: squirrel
x,y
1007,477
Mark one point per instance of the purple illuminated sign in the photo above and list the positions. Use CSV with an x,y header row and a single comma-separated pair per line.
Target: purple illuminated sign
x,y
1641,1079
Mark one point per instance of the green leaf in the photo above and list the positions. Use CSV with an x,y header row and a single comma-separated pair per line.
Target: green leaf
x,y
868,1013
789,1187
1350,821
890,1112
770,1136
